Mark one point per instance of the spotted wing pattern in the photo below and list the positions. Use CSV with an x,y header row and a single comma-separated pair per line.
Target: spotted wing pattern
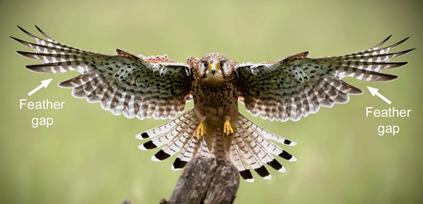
x,y
297,86
123,83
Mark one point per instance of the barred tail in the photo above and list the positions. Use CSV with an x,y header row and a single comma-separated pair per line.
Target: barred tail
x,y
174,137
249,148
252,148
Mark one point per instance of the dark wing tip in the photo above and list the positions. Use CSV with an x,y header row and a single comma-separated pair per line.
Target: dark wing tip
x,y
20,28
23,53
354,90
383,41
67,84
386,39
406,51
43,33
38,28
392,65
399,42
405,39
385,77
17,39
411,49
27,32
378,76
23,42
26,54
36,67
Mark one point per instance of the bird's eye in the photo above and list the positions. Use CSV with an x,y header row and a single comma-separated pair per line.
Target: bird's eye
x,y
222,63
205,63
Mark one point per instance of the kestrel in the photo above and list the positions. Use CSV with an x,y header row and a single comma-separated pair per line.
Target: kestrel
x,y
157,87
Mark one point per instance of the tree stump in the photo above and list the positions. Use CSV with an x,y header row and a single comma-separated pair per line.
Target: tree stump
x,y
206,180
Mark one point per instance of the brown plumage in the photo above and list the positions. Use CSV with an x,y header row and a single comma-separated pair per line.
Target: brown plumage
x,y
157,87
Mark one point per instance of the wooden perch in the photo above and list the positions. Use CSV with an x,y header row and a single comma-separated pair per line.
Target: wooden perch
x,y
206,181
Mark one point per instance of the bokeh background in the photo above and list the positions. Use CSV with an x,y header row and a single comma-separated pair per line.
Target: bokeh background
x,y
91,156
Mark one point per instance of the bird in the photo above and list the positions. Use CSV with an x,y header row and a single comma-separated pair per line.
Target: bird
x,y
157,87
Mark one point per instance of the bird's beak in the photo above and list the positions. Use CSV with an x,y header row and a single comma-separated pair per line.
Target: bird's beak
x,y
213,67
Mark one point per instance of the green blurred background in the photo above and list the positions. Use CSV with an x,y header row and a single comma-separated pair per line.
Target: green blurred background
x,y
91,156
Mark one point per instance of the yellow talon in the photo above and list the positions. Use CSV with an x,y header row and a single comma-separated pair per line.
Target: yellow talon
x,y
227,128
201,131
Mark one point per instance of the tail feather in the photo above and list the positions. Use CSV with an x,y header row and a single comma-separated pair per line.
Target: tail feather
x,y
174,146
185,155
190,150
173,137
259,136
270,136
178,164
247,158
253,153
204,150
240,158
171,148
252,148
277,166
247,155
170,134
237,159
154,134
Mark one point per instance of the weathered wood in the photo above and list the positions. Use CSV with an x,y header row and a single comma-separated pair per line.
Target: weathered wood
x,y
206,181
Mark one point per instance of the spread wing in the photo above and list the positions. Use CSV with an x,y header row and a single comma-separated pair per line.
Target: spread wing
x,y
297,86
122,83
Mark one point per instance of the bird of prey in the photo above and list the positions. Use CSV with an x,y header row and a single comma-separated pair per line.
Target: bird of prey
x,y
157,87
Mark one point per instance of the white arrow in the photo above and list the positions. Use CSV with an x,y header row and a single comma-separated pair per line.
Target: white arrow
x,y
44,84
375,92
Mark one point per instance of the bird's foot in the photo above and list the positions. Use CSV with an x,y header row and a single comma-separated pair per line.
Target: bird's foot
x,y
201,131
227,127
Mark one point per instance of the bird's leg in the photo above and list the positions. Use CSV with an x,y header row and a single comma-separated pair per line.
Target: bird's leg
x,y
201,130
227,127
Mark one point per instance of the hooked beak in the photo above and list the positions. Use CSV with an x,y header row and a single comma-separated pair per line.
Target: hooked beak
x,y
213,67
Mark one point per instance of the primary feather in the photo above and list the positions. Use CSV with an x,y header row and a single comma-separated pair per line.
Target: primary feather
x,y
297,86
122,83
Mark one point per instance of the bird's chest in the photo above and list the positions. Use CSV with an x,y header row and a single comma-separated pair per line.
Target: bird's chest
x,y
216,99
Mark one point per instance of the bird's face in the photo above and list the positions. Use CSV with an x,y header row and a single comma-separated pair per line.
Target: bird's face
x,y
215,68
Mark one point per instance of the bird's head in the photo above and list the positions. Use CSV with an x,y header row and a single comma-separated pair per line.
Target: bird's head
x,y
214,68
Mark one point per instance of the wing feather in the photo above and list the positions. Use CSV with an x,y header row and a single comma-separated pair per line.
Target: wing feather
x,y
123,83
297,86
